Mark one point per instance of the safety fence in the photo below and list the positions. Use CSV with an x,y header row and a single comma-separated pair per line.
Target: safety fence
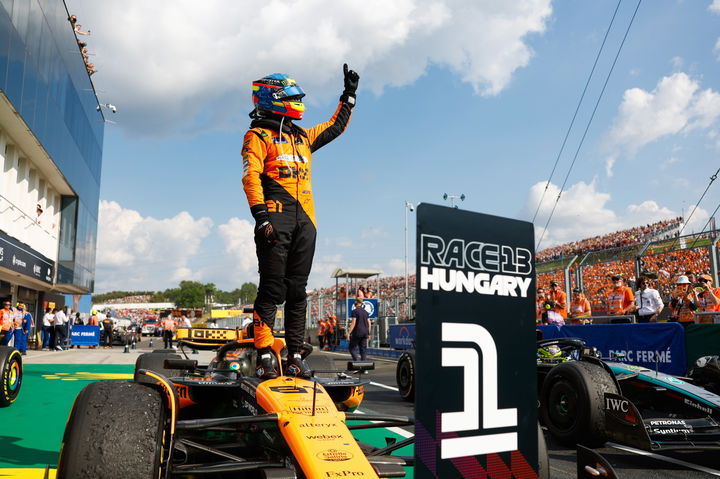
x,y
664,260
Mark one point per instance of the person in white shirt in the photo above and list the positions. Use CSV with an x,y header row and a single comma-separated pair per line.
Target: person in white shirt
x,y
648,304
60,331
48,330
186,323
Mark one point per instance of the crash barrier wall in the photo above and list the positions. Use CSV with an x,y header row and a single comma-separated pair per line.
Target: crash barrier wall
x,y
81,335
702,340
667,258
660,345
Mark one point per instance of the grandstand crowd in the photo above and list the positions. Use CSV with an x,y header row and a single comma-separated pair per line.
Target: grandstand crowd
x,y
638,235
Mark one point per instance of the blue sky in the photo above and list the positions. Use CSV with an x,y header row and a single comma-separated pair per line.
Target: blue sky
x,y
455,96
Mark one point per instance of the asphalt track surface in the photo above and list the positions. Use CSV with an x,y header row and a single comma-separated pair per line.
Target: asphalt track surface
x,y
381,397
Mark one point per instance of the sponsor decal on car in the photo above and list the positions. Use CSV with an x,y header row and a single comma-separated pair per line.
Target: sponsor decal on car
x,y
344,474
697,406
323,437
334,455
668,422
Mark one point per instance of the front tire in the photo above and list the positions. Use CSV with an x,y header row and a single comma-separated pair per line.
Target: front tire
x,y
572,402
116,430
155,362
405,376
10,375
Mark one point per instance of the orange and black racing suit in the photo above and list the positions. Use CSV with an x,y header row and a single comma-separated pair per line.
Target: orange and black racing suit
x,y
276,178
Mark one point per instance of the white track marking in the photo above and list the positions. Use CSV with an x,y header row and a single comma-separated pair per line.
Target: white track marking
x,y
348,354
671,460
396,430
380,385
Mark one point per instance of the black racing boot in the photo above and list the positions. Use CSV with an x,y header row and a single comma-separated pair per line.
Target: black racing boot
x,y
296,367
265,367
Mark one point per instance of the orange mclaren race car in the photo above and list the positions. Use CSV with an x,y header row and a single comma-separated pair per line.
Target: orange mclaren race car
x,y
178,419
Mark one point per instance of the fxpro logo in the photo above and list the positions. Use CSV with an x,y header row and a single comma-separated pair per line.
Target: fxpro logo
x,y
469,419
494,269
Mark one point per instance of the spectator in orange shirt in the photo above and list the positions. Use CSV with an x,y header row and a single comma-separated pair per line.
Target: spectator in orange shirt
x,y
322,325
580,308
558,297
681,304
620,298
6,323
330,326
540,306
706,298
168,325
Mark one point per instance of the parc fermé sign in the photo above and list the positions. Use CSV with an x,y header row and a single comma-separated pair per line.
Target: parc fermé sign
x,y
476,394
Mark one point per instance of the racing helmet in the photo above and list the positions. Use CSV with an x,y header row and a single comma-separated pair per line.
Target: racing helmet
x,y
278,94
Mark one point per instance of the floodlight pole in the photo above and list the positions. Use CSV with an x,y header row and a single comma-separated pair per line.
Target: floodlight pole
x,y
411,207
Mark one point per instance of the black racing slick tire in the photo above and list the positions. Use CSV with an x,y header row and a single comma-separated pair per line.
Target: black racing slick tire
x,y
10,375
572,403
405,376
116,430
155,362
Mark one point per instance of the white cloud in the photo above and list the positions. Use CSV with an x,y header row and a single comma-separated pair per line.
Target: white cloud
x,y
609,163
322,268
396,266
582,212
188,65
715,6
670,161
676,105
697,221
137,252
237,235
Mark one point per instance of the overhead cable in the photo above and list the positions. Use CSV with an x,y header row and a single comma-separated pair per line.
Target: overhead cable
x,y
592,116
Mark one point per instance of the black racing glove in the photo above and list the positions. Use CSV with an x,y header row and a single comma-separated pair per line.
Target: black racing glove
x,y
351,84
263,228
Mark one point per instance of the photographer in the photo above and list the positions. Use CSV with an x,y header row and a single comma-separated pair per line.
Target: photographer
x,y
557,297
706,298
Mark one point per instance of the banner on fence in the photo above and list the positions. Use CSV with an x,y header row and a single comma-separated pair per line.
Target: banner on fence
x,y
402,336
82,335
660,345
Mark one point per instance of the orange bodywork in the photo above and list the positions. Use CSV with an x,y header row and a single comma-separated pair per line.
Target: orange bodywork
x,y
317,436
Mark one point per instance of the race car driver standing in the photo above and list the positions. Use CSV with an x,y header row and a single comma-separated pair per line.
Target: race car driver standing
x,y
277,156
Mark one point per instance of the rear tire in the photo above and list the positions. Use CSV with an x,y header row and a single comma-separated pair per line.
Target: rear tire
x,y
10,375
405,376
572,402
116,430
155,362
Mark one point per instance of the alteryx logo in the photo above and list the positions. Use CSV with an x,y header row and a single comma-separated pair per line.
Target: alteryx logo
x,y
474,267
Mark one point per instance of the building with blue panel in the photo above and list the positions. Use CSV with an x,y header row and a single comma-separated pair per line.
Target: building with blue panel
x,y
51,135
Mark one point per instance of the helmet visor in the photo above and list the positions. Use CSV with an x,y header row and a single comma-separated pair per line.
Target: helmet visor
x,y
289,91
